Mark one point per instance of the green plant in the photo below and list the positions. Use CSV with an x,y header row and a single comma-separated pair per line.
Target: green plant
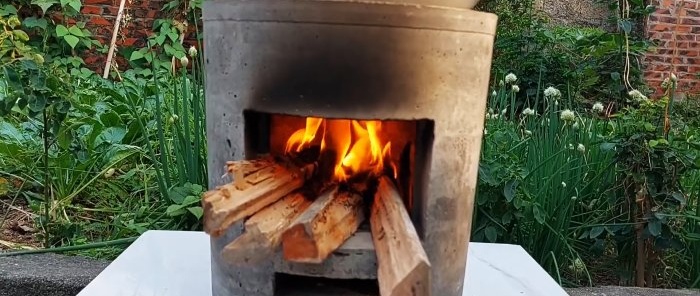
x,y
539,173
37,92
587,64
168,36
165,46
177,143
651,164
13,40
58,41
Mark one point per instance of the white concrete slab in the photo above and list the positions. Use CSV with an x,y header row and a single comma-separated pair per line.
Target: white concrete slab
x,y
176,263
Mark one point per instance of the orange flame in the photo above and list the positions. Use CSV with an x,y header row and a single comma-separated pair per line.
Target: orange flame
x,y
357,145
304,137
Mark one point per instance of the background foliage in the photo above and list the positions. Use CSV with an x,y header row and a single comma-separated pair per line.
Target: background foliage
x,y
116,157
597,182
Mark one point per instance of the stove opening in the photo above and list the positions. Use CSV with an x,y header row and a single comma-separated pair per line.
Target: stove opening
x,y
293,285
352,154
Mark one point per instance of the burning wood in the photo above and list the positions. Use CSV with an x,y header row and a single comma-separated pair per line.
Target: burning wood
x,y
323,227
403,266
263,231
257,184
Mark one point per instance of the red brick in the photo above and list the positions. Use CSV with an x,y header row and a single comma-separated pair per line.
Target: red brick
x,y
658,27
113,10
657,58
89,2
680,69
654,75
664,51
689,37
690,4
690,21
683,29
693,13
91,59
91,9
100,21
129,41
689,53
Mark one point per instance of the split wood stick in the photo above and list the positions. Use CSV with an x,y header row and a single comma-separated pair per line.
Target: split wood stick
x,y
403,266
263,231
323,227
257,184
113,42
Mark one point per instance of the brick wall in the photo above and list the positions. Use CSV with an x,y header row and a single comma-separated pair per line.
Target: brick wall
x,y
675,28
137,23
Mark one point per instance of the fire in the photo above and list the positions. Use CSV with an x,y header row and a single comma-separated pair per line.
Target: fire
x,y
357,145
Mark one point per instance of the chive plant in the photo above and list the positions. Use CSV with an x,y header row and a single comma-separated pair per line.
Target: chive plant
x,y
566,173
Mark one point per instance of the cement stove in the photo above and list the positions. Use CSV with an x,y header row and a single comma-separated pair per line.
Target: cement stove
x,y
420,68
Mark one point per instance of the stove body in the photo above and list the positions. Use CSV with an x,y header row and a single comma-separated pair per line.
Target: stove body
x,y
388,60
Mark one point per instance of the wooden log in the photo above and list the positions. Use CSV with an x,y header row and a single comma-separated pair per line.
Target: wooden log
x,y
323,227
263,231
257,184
403,267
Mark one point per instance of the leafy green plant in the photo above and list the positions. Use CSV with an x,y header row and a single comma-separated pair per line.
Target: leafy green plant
x,y
167,36
587,64
13,40
37,92
186,203
61,42
74,34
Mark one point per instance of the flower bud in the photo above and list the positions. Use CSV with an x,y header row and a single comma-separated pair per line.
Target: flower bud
x,y
38,58
581,148
13,21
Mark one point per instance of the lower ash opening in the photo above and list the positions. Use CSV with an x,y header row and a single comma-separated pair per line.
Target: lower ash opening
x,y
292,285
405,148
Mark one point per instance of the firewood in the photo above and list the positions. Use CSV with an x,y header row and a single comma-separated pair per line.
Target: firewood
x,y
263,231
323,227
403,267
257,184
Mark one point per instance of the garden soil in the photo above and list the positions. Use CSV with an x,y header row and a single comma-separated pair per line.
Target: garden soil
x,y
16,225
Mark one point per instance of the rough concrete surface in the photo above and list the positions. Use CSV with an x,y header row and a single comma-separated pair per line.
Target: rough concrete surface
x,y
628,291
355,259
575,12
47,274
354,60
